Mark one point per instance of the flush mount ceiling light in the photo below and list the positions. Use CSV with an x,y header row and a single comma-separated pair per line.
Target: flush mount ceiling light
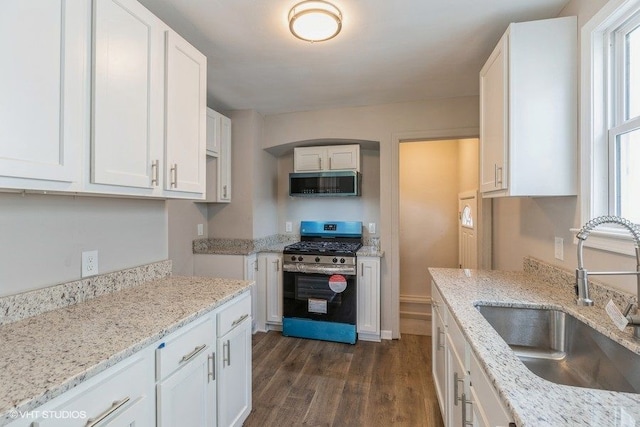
x,y
315,20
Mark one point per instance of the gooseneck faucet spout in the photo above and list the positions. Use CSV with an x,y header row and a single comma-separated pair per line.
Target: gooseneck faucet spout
x,y
582,275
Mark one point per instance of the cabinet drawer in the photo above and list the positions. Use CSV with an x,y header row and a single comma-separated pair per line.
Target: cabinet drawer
x,y
184,345
123,392
234,313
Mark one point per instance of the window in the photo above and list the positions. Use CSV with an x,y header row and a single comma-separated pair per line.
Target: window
x,y
610,121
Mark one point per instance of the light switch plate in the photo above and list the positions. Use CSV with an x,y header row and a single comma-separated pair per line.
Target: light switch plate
x,y
200,229
372,228
559,248
288,227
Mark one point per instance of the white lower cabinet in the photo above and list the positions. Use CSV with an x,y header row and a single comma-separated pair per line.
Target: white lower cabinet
x,y
185,371
234,363
199,375
368,323
270,280
465,394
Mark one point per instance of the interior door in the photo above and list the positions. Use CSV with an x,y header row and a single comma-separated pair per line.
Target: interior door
x,y
467,229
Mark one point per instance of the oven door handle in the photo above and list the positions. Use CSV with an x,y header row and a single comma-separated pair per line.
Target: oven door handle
x,y
301,268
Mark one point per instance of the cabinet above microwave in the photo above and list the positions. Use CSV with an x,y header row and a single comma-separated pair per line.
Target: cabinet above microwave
x,y
327,158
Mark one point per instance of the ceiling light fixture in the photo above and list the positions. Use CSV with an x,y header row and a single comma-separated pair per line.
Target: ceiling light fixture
x,y
315,20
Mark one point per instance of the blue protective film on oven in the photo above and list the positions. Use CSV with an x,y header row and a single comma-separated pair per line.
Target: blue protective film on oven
x,y
319,330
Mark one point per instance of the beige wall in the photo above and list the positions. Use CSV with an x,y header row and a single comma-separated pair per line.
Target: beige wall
x,y
252,212
428,205
468,164
527,226
386,124
42,237
365,208
184,217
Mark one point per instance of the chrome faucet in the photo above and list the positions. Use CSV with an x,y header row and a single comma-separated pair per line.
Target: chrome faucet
x,y
582,275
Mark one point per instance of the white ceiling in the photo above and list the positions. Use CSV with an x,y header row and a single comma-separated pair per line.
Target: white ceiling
x,y
388,50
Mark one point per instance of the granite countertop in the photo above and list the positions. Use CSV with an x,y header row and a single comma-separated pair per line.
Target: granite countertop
x,y
531,400
370,251
45,355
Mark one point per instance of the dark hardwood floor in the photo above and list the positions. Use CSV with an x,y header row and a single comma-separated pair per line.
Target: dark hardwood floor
x,y
299,382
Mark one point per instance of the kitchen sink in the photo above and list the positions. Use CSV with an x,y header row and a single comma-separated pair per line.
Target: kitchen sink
x,y
559,348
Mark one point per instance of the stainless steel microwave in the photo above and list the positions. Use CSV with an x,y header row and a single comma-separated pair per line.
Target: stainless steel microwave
x,y
316,184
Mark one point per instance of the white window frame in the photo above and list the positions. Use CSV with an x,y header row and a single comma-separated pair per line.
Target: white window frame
x,y
595,121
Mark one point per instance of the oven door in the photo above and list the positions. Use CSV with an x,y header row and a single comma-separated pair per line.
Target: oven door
x,y
316,296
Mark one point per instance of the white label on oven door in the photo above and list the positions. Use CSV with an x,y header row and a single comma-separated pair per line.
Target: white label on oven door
x,y
337,283
317,305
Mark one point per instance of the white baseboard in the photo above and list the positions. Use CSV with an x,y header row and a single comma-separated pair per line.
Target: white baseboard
x,y
386,335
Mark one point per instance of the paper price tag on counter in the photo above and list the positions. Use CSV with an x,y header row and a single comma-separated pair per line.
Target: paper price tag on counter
x,y
616,316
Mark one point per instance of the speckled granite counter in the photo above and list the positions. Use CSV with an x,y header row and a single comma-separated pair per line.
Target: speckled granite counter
x,y
370,251
275,243
531,400
43,356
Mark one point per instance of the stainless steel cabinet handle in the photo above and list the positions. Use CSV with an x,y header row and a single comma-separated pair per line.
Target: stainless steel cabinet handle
x,y
500,174
193,354
320,160
226,348
440,343
464,411
155,173
174,176
362,269
224,191
91,422
277,263
239,319
456,380
495,174
212,371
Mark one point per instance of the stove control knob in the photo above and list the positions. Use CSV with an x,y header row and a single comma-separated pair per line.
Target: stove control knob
x,y
335,260
293,258
342,260
317,259
300,258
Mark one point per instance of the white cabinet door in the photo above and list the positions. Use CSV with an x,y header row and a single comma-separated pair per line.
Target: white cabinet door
x,y
271,273
128,95
439,354
44,47
309,159
224,161
456,385
213,132
234,375
186,116
369,299
343,157
188,396
493,118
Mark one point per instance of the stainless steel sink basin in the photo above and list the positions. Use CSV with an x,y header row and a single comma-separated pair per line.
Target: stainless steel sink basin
x,y
559,348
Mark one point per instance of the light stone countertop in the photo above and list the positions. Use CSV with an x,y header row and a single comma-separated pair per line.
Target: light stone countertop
x,y
531,400
370,251
43,356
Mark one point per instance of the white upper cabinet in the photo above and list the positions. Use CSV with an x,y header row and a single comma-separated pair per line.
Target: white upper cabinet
x,y
44,48
528,111
219,160
186,116
326,158
141,128
128,88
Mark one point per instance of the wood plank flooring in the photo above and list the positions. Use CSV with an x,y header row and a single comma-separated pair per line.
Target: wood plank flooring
x,y
299,382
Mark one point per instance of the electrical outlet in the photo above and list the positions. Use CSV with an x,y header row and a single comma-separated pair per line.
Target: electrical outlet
x,y
89,263
372,228
288,227
200,229
559,248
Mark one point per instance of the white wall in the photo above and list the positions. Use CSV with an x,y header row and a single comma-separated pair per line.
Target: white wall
x,y
365,208
183,219
43,237
383,123
527,226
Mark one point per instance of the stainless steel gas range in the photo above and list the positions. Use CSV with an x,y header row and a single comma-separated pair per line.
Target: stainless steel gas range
x,y
319,281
